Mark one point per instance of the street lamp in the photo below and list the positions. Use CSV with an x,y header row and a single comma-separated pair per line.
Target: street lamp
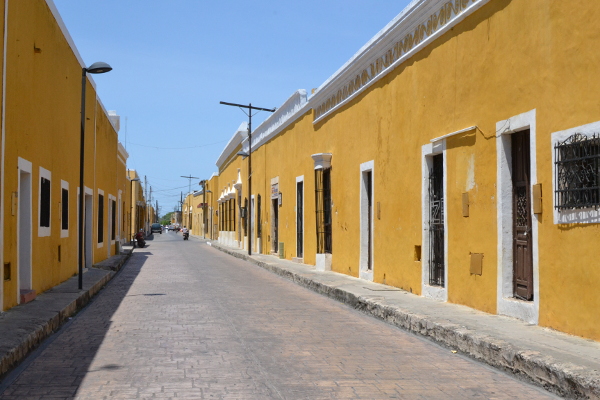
x,y
131,203
95,68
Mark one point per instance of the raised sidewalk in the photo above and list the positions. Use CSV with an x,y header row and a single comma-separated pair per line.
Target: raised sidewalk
x,y
563,364
24,327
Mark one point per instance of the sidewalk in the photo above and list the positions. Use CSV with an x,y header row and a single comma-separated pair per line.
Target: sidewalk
x,y
24,327
566,365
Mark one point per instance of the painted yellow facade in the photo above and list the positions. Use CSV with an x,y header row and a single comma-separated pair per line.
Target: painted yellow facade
x,y
465,84
41,106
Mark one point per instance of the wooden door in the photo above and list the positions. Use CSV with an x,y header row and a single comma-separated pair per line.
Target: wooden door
x,y
522,239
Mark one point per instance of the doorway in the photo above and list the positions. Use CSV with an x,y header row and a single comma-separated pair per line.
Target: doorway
x,y
366,221
24,226
522,235
88,233
274,226
300,219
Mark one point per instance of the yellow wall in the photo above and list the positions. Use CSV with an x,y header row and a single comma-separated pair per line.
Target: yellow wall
x,y
43,103
505,59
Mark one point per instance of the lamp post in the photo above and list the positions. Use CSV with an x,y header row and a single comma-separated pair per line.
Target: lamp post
x,y
95,68
131,203
249,155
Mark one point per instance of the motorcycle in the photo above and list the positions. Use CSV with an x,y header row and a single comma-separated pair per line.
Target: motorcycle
x,y
186,235
139,238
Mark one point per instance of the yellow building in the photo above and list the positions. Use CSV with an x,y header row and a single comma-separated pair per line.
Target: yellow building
x,y
40,158
454,156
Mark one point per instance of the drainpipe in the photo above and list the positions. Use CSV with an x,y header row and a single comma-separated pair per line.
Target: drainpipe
x,y
2,157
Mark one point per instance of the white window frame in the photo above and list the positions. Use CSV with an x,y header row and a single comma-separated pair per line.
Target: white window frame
x,y
506,303
44,231
580,215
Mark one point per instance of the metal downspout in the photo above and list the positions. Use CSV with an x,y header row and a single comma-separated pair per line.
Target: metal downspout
x,y
2,157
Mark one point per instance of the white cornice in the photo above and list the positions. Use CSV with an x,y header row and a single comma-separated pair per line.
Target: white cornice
x,y
292,108
234,142
415,27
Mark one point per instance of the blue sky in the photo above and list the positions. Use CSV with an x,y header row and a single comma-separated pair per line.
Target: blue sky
x,y
173,61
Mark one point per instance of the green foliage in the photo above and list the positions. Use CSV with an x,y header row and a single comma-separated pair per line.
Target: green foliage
x,y
166,219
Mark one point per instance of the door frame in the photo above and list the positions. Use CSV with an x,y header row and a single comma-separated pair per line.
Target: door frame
x,y
427,153
366,242
506,303
24,166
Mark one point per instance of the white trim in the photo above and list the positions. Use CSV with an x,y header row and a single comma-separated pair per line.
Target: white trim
x,y
233,143
322,160
112,198
437,139
298,180
291,109
119,214
27,167
427,151
44,231
385,51
581,215
506,303
2,157
364,271
100,192
64,232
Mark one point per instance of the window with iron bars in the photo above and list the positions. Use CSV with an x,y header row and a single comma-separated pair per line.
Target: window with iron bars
x,y
577,172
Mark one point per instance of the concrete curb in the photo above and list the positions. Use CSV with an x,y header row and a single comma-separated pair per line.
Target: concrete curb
x,y
30,324
563,378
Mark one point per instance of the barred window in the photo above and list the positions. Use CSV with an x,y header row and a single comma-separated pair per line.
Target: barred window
x,y
577,163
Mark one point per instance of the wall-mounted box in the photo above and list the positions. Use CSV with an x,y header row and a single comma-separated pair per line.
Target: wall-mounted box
x,y
476,263
465,204
537,198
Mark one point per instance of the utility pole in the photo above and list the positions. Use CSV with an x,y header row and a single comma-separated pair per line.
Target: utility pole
x,y
146,204
249,155
189,178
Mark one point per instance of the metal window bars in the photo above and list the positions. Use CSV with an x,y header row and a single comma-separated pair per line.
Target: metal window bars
x,y
577,163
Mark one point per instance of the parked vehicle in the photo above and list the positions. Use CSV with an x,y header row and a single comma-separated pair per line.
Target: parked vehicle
x,y
139,238
156,228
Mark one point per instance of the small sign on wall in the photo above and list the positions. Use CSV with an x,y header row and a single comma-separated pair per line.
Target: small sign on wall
x,y
274,191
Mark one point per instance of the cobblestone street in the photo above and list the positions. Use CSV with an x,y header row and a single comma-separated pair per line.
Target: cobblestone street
x,y
183,320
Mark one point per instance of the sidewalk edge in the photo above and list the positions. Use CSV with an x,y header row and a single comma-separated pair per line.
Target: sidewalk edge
x,y
29,342
564,379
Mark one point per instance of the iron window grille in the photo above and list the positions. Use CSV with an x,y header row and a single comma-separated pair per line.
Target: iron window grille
x,y
577,163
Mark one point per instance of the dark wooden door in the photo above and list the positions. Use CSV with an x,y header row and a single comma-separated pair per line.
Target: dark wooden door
x,y
522,254
275,244
299,219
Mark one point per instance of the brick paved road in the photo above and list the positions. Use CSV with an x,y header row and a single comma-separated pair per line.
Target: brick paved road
x,y
183,320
